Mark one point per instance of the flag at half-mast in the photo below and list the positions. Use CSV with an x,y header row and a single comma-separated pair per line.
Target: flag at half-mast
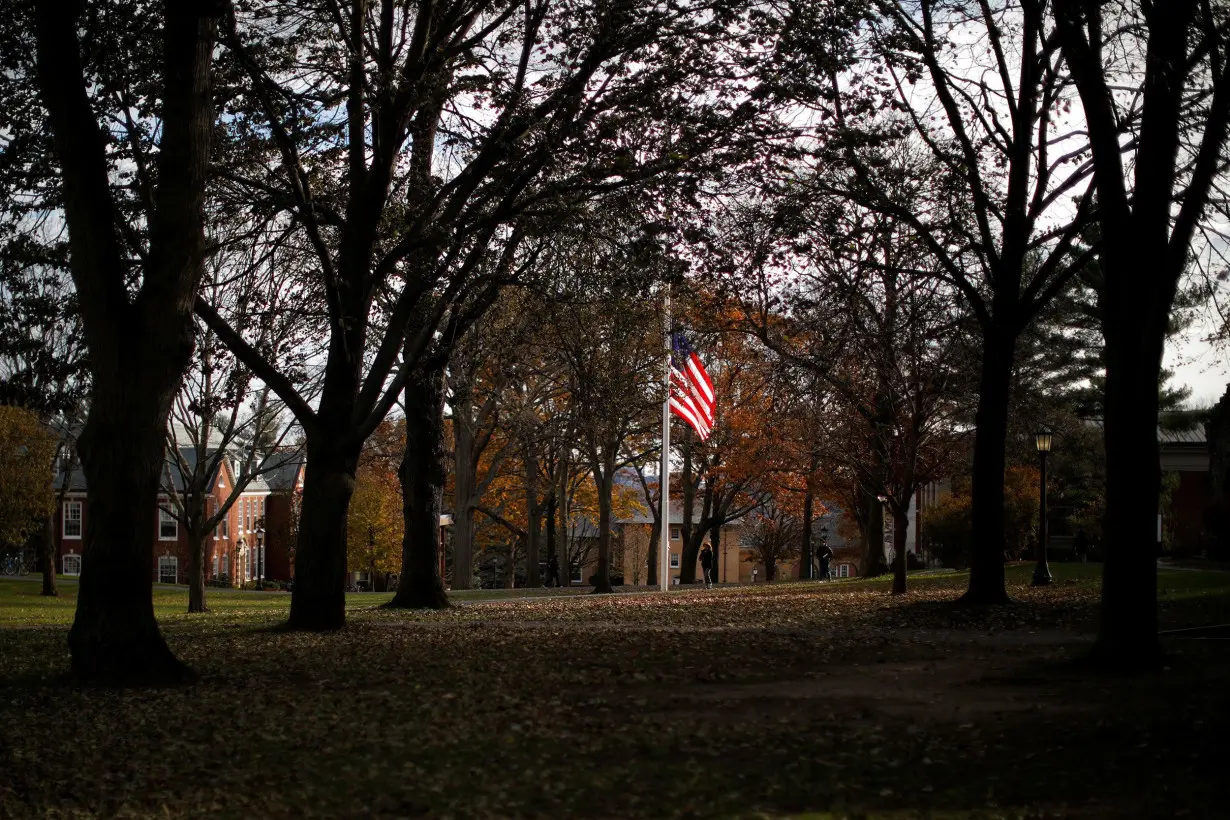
x,y
691,396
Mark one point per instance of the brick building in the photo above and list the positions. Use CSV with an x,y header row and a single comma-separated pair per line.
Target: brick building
x,y
253,540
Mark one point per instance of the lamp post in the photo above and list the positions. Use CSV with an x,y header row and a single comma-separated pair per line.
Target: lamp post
x,y
1042,573
260,553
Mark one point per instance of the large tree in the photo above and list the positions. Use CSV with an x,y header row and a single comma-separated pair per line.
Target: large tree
x,y
981,89
137,318
1154,83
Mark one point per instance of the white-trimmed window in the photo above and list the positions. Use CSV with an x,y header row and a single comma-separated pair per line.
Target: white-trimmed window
x,y
674,560
214,567
676,532
224,526
168,569
578,575
226,563
72,520
845,570
70,565
168,526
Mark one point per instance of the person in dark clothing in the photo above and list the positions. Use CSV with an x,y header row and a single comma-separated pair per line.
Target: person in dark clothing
x,y
706,564
553,572
826,555
1080,546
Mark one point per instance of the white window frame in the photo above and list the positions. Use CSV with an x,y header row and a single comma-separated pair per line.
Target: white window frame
x,y
225,525
214,566
226,563
165,518
578,575
75,558
79,521
171,560
674,560
844,571
676,532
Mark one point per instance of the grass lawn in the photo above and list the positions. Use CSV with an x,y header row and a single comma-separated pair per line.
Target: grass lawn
x,y
793,700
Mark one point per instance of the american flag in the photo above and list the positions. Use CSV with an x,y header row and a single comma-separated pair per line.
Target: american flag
x,y
692,396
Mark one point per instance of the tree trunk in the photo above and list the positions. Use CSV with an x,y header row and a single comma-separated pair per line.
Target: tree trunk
x,y
196,571
655,546
138,348
986,577
604,477
874,564
805,557
1127,631
770,570
510,569
552,555
533,518
561,520
463,495
114,637
318,600
422,475
47,555
901,530
719,566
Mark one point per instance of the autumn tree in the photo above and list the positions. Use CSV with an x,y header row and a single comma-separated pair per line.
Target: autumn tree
x,y
1159,75
27,448
774,539
42,352
872,334
611,344
375,525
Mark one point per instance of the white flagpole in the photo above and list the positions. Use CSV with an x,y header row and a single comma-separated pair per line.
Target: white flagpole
x,y
664,480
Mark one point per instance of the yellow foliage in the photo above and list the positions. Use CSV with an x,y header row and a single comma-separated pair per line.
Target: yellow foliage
x,y
374,526
26,452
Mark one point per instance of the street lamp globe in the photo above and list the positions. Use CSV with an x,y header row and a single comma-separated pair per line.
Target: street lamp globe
x,y
1043,440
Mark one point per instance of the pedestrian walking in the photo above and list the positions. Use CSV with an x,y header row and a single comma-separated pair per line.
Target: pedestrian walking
x,y
826,555
1080,545
706,564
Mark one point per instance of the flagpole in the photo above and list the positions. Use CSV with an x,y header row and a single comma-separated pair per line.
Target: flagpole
x,y
664,480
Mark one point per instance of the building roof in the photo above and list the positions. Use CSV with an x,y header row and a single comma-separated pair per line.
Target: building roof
x,y
1193,435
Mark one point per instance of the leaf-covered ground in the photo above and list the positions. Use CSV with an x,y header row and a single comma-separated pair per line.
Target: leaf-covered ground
x,y
798,700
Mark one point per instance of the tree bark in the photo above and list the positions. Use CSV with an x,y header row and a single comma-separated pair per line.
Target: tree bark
x,y
47,557
655,546
715,541
874,564
533,517
318,600
561,520
463,493
422,476
901,529
986,577
552,555
1135,340
604,477
805,557
138,347
196,571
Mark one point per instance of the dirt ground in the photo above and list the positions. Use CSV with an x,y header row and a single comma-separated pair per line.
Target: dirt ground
x,y
786,701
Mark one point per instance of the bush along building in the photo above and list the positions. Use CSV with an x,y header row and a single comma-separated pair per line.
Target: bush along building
x,y
252,541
